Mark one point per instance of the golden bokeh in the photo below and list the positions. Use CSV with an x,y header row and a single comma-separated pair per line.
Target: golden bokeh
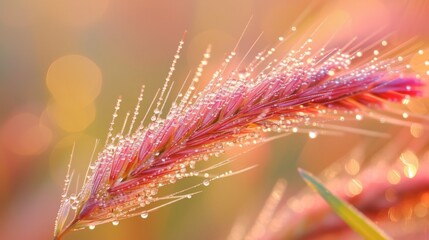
x,y
71,118
74,80
393,176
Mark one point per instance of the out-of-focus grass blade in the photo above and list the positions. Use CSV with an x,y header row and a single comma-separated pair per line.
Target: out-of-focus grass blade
x,y
355,219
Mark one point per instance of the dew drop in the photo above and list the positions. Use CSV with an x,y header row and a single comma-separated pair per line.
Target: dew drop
x,y
206,182
115,223
312,135
91,227
144,215
358,117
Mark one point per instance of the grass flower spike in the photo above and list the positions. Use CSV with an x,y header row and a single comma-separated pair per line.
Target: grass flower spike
x,y
301,89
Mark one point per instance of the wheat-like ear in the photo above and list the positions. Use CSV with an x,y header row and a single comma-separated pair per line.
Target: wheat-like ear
x,y
301,90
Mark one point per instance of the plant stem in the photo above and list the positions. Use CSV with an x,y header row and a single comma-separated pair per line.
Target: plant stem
x,y
65,230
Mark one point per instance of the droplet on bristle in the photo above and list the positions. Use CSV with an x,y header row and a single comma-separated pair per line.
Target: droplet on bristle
x,y
281,39
358,117
91,227
115,223
405,115
206,182
420,52
400,59
406,100
359,54
293,29
384,43
144,215
376,52
312,134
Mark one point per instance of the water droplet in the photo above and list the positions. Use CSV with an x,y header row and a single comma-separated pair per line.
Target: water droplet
x,y
144,215
91,227
358,117
115,223
206,182
312,135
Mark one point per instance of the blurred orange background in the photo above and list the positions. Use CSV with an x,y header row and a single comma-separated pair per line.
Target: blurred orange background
x,y
63,63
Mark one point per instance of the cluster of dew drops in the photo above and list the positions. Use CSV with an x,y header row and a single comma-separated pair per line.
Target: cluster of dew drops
x,y
312,134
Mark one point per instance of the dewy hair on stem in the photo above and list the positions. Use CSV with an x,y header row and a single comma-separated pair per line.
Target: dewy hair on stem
x,y
290,92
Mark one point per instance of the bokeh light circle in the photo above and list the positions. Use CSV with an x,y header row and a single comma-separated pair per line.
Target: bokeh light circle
x,y
70,118
74,80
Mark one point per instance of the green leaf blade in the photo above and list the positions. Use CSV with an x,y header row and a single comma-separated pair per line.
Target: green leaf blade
x,y
350,215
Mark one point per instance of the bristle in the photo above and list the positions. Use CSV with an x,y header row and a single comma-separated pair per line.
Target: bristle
x,y
299,92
